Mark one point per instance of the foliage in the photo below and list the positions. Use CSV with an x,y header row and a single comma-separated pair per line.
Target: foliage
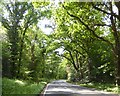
x,y
27,49
87,32
19,18
90,57
62,73
94,26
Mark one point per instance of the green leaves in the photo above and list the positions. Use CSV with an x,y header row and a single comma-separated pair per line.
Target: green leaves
x,y
80,30
40,4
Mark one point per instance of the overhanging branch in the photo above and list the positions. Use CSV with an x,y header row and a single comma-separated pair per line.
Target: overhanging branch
x,y
102,25
113,14
87,26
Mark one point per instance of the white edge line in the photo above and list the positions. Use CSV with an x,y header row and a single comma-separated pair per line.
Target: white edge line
x,y
46,89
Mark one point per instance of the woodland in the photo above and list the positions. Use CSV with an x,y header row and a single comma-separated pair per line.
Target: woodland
x,y
83,46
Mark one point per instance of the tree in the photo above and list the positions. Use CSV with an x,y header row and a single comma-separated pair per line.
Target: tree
x,y
95,22
80,43
21,15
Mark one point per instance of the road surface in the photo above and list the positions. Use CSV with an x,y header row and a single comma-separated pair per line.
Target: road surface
x,y
62,88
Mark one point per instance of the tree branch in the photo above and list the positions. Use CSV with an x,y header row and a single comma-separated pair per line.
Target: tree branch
x,y
87,26
65,57
79,52
113,14
102,25
73,60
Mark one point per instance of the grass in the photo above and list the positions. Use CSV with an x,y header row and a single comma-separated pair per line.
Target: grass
x,y
104,87
101,86
10,86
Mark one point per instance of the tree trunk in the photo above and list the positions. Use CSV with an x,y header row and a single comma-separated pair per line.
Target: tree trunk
x,y
13,67
118,64
21,50
73,61
19,62
90,69
117,43
81,71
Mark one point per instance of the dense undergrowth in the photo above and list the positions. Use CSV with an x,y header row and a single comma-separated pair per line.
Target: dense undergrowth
x,y
16,87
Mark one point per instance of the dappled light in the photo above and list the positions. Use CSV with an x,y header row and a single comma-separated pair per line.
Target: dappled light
x,y
66,89
47,44
61,89
20,82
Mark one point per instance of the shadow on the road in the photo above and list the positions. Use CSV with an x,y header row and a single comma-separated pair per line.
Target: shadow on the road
x,y
65,85
79,95
62,88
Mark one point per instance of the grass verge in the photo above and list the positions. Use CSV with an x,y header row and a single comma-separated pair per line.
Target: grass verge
x,y
101,86
19,87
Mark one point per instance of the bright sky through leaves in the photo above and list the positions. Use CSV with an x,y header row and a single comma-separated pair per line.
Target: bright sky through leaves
x,y
42,24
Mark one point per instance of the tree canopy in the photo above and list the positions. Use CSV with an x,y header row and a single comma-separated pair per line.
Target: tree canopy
x,y
88,33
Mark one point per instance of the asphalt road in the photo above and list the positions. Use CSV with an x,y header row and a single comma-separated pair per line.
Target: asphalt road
x,y
62,88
